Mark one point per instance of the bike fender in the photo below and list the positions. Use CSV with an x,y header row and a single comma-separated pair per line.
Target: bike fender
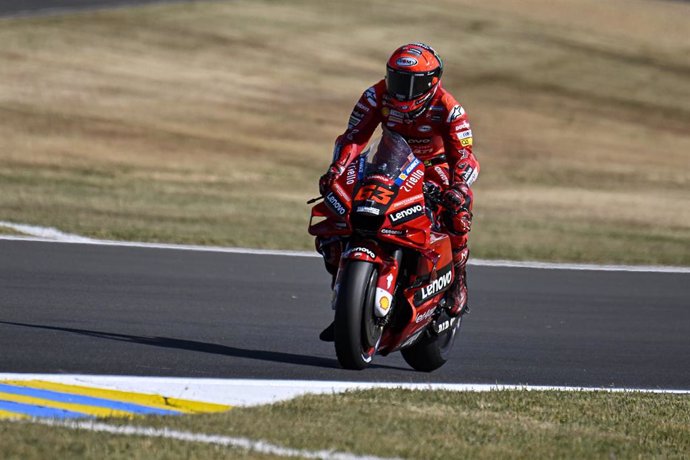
x,y
370,251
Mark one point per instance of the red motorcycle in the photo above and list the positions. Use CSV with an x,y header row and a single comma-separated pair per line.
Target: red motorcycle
x,y
389,292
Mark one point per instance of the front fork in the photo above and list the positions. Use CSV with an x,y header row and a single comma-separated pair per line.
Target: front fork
x,y
388,265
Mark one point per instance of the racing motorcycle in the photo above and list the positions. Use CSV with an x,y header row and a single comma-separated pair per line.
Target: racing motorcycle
x,y
389,291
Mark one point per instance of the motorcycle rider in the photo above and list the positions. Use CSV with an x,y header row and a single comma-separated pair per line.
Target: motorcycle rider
x,y
412,102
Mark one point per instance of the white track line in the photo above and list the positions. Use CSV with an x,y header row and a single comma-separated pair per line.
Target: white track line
x,y
228,441
53,235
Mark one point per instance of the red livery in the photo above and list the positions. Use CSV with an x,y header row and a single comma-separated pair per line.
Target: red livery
x,y
396,266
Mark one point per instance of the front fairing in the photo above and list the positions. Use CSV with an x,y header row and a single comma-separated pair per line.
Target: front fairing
x,y
331,217
391,207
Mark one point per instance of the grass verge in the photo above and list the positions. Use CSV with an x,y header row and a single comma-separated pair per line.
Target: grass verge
x,y
413,424
210,122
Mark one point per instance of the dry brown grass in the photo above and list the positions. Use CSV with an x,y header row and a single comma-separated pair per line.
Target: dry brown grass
x,y
211,122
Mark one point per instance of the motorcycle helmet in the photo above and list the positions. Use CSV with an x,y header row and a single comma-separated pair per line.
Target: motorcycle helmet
x,y
413,73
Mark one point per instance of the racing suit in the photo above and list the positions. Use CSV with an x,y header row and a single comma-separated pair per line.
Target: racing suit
x,y
441,137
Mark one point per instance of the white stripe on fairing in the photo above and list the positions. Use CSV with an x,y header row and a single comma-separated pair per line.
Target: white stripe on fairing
x,y
262,447
52,235
252,392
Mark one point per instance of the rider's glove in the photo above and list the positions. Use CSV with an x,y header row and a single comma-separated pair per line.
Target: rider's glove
x,y
457,197
326,181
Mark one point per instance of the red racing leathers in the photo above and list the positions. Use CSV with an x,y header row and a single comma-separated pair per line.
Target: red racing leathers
x,y
441,137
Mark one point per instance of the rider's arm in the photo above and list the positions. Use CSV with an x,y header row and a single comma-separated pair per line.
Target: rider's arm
x,y
458,141
365,117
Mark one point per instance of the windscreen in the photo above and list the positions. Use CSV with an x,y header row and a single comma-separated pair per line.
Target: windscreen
x,y
388,155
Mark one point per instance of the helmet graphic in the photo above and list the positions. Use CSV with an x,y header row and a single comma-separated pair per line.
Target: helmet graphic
x,y
412,75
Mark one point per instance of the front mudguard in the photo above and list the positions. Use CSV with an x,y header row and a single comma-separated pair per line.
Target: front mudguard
x,y
388,265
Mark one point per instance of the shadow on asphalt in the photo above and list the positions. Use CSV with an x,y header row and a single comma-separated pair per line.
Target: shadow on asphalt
x,y
203,347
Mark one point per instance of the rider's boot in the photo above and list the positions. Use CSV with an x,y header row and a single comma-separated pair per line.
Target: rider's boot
x,y
457,294
331,251
328,334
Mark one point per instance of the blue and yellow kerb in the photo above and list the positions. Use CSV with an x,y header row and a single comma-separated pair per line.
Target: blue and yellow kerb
x,y
38,398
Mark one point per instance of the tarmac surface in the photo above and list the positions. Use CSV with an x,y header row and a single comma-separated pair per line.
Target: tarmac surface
x,y
89,309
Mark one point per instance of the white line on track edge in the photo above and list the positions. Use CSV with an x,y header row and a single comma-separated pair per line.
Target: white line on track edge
x,y
262,447
53,235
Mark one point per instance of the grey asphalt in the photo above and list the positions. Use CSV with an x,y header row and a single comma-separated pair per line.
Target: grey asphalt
x,y
73,308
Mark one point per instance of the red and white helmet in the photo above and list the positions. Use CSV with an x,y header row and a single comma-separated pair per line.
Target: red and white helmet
x,y
412,75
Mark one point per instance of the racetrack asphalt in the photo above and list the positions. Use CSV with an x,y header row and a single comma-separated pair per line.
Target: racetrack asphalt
x,y
90,309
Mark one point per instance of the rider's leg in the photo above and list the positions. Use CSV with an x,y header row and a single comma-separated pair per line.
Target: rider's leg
x,y
331,249
457,294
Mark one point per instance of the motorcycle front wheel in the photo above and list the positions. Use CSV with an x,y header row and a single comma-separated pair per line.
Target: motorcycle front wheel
x,y
356,333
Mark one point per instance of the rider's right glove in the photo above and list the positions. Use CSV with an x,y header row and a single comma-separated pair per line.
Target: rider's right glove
x,y
457,200
457,197
326,181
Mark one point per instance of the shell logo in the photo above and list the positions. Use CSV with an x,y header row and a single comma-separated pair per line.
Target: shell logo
x,y
384,303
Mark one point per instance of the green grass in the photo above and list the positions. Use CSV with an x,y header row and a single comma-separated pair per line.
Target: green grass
x,y
412,424
211,122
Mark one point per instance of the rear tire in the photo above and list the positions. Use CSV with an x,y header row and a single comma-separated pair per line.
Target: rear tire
x,y
356,334
433,351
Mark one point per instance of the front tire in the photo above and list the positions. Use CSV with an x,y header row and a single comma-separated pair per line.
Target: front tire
x,y
433,351
356,333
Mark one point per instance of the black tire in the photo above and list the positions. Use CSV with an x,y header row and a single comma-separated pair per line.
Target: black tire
x,y
432,351
356,335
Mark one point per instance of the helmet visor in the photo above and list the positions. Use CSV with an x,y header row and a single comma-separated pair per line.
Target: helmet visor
x,y
406,86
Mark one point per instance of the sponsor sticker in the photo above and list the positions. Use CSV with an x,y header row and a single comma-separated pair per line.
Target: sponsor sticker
x,y
424,316
418,141
469,176
440,284
335,204
355,119
413,180
406,62
455,113
465,124
368,210
424,129
392,231
370,95
464,134
466,142
359,250
406,215
408,170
